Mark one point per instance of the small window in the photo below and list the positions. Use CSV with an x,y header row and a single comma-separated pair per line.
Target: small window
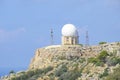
x,y
67,38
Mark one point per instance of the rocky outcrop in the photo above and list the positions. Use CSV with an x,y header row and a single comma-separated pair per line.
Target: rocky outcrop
x,y
51,55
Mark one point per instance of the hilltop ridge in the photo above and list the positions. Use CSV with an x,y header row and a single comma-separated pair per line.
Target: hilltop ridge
x,y
72,62
44,56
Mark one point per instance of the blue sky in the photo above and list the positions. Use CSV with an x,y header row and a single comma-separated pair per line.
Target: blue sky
x,y
25,25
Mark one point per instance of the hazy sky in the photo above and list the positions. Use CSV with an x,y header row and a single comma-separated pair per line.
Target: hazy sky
x,y
25,25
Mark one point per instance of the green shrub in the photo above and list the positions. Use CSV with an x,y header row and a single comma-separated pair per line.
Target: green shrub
x,y
71,75
81,45
118,43
38,71
105,73
82,60
99,60
11,72
113,61
61,70
49,68
33,73
93,60
96,61
99,63
115,75
62,57
103,55
102,42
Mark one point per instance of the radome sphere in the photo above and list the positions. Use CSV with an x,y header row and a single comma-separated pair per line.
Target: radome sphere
x,y
69,30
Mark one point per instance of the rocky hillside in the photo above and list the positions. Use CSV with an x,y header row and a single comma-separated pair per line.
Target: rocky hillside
x,y
72,62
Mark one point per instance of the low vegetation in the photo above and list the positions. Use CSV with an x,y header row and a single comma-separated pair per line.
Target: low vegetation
x,y
100,59
115,75
32,74
105,73
102,42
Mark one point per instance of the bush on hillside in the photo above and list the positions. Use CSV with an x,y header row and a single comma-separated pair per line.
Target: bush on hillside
x,y
115,75
70,75
102,42
60,70
96,61
103,55
31,73
113,61
11,72
99,60
105,73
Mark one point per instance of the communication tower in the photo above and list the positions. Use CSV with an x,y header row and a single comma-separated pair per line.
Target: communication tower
x,y
87,39
51,37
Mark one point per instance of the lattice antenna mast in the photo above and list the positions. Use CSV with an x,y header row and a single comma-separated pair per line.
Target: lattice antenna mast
x,y
51,36
87,39
79,30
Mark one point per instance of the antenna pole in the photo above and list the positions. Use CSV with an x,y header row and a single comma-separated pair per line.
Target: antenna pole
x,y
51,36
87,39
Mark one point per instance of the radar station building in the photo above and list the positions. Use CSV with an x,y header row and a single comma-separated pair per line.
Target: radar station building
x,y
69,35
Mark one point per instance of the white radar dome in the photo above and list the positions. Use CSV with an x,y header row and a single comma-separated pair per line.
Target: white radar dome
x,y
69,30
